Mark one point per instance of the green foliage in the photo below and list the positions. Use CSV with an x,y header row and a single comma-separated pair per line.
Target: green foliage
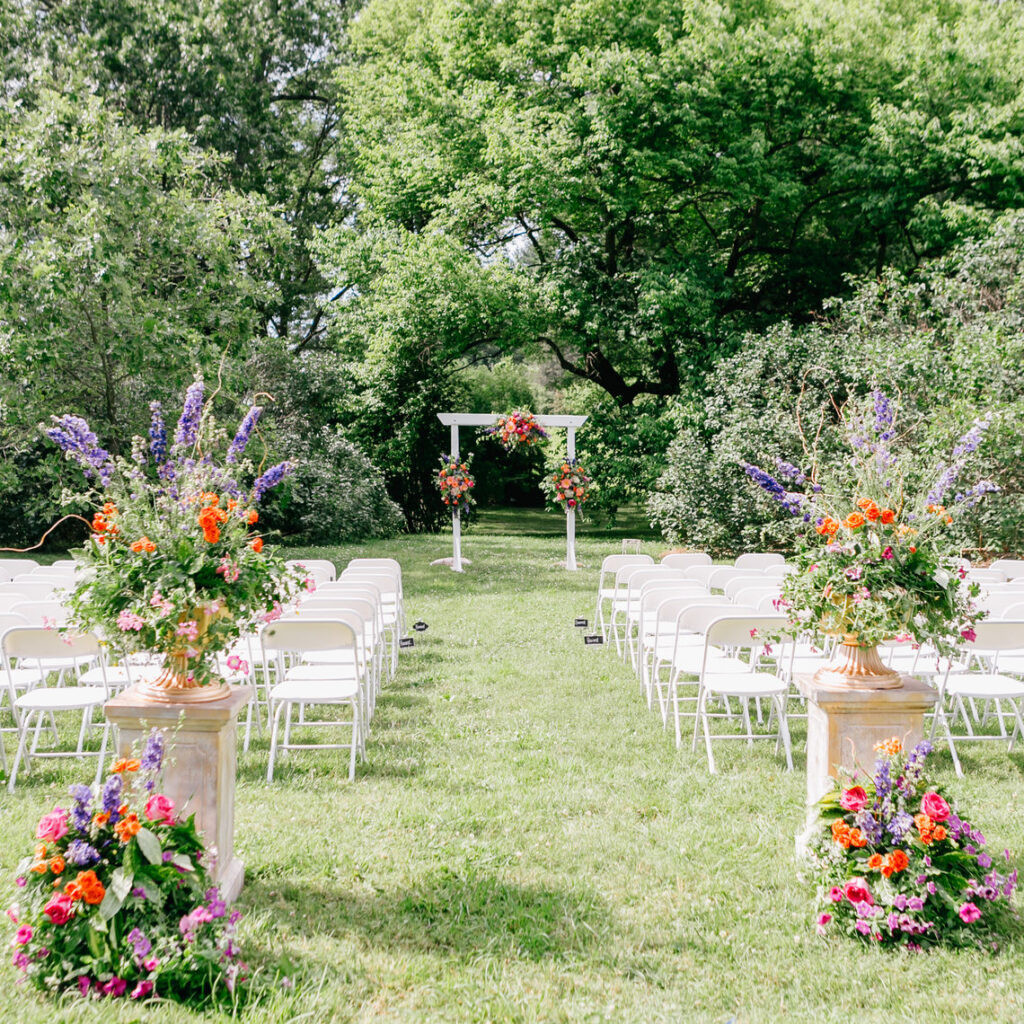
x,y
635,183
947,340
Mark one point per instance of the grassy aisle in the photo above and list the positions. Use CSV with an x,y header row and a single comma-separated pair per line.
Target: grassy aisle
x,y
525,844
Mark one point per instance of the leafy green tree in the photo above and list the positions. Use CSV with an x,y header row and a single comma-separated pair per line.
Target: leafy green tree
x,y
635,183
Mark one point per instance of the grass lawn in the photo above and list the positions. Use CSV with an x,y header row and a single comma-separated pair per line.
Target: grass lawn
x,y
524,843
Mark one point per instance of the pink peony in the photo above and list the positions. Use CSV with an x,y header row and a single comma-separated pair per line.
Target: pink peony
x,y
59,910
857,891
23,936
969,913
53,825
935,807
853,799
160,808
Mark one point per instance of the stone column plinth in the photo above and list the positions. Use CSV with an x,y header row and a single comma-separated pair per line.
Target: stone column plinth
x,y
843,726
199,770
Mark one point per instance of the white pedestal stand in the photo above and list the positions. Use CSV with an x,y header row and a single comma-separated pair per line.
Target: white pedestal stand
x,y
199,770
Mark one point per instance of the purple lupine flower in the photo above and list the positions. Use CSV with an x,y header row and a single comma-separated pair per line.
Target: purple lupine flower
x,y
191,413
112,794
967,445
872,828
977,492
81,854
271,478
884,416
789,471
153,752
80,444
81,794
157,434
787,499
245,429
900,825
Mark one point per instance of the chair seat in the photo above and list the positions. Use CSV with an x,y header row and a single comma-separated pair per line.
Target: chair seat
x,y
316,687
606,593
691,661
339,656
1012,663
744,684
23,678
61,698
992,687
664,646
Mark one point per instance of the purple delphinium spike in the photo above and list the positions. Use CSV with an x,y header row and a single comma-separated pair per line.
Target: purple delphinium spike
x,y
112,794
271,479
245,430
191,413
884,416
79,442
153,753
81,854
157,434
967,445
789,501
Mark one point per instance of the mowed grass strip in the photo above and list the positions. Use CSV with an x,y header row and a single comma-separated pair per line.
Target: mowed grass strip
x,y
524,843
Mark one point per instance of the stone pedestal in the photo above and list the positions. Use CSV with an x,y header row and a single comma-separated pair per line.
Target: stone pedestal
x,y
199,769
843,726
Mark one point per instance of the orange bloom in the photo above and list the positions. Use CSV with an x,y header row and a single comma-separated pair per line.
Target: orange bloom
x,y
109,509
232,504
56,864
99,524
839,826
827,527
913,550
209,498
875,861
899,860
40,868
869,508
923,822
891,747
887,515
940,833
86,886
127,827
126,765
101,819
143,544
41,851
857,838
854,521
257,545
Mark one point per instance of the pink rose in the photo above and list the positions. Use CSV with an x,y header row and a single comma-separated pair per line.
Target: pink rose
x,y
969,635
823,919
53,825
835,894
969,913
23,936
59,909
856,891
853,799
160,808
935,807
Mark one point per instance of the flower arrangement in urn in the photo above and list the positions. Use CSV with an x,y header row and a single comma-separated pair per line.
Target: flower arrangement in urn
x,y
456,482
568,487
518,429
115,900
898,866
175,564
873,564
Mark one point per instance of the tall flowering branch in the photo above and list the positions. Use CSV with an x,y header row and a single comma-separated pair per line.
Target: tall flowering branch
x,y
967,445
241,438
192,412
271,478
793,503
80,444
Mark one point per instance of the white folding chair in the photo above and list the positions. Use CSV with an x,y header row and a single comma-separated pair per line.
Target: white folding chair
x,y
390,600
35,644
732,678
686,559
986,576
642,622
778,571
609,566
390,565
333,684
759,560
737,584
1011,568
11,567
997,648
30,590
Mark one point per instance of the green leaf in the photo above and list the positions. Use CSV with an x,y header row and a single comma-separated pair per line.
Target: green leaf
x,y
149,845
182,862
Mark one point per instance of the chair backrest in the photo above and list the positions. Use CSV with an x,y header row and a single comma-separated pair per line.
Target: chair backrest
x,y
986,575
1012,568
611,564
722,574
655,593
392,563
11,567
29,590
759,560
778,570
385,581
1015,611
301,634
8,620
631,546
684,559
63,563
998,635
745,631
42,613
701,573
997,604
752,596
321,607
737,583
648,573
40,642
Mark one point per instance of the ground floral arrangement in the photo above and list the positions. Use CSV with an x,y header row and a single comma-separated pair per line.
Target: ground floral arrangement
x,y
898,866
568,487
456,482
175,563
518,430
873,564
116,899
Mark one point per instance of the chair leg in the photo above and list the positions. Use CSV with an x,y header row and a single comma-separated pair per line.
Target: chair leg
x,y
26,724
81,732
784,731
103,752
703,712
356,728
273,739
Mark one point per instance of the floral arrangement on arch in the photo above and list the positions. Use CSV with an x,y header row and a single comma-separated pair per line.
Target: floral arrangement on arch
x,y
518,430
456,482
897,865
872,562
116,898
568,487
174,563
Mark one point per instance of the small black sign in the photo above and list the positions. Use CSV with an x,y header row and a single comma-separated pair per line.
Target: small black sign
x,y
406,641
581,623
593,639
419,626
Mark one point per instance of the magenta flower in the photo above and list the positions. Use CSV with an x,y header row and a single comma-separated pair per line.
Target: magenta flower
x,y
887,553
23,936
143,989
823,919
969,913
969,635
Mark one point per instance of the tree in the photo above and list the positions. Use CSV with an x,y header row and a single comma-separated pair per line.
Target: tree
x,y
638,182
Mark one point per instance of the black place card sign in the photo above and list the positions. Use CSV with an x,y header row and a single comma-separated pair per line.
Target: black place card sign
x,y
406,641
581,623
420,626
593,639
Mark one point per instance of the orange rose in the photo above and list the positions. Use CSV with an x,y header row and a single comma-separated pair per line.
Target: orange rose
x,y
127,827
839,826
41,851
88,887
854,521
126,765
857,838
56,864
899,860
887,515
257,545
101,819
923,822
252,517
872,512
940,833
40,868
875,861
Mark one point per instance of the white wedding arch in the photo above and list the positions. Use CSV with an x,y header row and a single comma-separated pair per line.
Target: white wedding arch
x,y
570,424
